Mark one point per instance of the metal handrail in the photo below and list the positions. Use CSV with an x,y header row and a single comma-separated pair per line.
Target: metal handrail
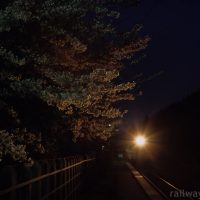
x,y
58,188
26,183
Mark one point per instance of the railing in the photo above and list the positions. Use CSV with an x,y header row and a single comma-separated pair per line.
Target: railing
x,y
57,179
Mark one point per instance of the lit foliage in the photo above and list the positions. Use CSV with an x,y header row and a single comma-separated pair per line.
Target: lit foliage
x,y
67,53
17,144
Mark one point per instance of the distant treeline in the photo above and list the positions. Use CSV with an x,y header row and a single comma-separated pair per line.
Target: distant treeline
x,y
177,127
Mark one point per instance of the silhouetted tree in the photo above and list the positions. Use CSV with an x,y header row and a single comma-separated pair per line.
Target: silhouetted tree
x,y
62,56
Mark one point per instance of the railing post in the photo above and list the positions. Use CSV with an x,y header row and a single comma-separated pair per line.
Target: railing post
x,y
45,182
60,178
37,186
24,175
73,180
66,178
8,178
69,177
53,178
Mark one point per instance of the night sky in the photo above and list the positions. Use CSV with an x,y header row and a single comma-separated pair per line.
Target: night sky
x,y
174,27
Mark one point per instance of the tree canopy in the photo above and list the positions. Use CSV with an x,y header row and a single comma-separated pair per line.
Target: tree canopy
x,y
62,58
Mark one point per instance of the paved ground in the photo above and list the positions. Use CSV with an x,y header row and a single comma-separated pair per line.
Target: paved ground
x,y
112,180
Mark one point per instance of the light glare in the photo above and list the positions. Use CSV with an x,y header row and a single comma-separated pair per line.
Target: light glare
x,y
140,141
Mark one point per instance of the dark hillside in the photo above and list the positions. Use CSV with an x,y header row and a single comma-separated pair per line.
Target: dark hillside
x,y
175,133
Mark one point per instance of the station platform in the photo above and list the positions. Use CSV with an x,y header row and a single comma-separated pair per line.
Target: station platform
x,y
113,180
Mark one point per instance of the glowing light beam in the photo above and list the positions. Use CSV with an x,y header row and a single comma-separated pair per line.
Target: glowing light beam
x,y
140,140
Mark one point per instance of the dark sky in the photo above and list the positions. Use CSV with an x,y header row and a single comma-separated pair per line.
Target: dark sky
x,y
174,27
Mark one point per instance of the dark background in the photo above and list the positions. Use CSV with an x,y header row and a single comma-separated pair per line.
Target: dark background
x,y
174,50
170,100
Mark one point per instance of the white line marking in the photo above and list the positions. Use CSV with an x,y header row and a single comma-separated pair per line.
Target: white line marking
x,y
148,188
